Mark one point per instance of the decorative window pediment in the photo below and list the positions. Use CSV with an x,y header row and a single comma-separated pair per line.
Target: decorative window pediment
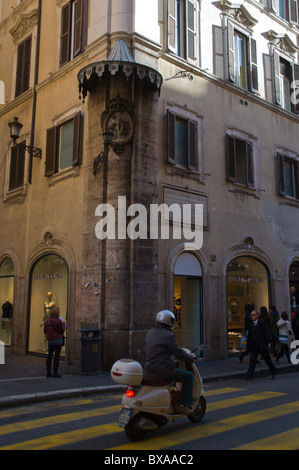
x,y
24,25
282,42
239,12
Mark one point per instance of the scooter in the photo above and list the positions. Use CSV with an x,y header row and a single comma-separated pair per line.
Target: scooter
x,y
150,401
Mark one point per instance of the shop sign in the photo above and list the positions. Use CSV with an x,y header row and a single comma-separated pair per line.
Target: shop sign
x,y
247,279
42,277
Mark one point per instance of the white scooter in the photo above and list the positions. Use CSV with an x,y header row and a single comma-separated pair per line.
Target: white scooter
x,y
150,401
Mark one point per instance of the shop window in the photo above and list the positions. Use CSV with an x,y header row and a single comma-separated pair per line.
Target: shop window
x,y
182,28
188,301
7,273
294,296
247,287
64,146
73,30
49,287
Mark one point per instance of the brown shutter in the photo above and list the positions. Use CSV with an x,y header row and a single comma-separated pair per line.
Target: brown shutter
x,y
296,169
280,174
51,151
23,67
192,154
19,69
249,161
27,63
77,142
79,27
170,151
65,40
17,167
231,158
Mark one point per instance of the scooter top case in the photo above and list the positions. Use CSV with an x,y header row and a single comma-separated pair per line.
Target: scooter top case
x,y
127,372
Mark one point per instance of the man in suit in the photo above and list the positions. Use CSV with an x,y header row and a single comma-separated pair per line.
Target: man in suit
x,y
260,338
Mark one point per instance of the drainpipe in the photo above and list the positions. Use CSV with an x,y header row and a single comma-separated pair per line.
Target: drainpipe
x,y
32,133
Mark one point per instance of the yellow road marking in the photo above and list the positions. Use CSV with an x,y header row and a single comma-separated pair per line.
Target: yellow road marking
x,y
287,440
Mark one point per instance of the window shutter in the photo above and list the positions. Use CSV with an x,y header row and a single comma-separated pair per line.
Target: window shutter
x,y
268,77
249,161
293,9
276,63
280,174
79,27
77,143
27,61
253,67
51,151
23,67
191,30
231,52
172,25
17,166
230,158
218,54
20,69
65,34
295,89
297,179
192,141
170,151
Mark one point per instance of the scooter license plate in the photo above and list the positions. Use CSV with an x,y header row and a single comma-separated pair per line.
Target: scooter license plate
x,y
124,417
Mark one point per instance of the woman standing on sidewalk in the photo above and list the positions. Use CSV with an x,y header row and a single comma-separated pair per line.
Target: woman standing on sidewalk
x,y
285,336
54,328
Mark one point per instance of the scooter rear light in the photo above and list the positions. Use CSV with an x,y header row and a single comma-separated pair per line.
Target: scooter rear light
x,y
130,393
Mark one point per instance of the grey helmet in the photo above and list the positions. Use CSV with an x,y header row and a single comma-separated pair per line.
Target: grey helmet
x,y
166,317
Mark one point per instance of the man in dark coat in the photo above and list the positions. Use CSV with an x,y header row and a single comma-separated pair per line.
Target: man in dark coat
x,y
260,337
160,346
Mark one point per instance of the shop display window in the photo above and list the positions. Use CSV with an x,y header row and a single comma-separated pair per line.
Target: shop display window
x,y
6,299
294,296
247,287
49,287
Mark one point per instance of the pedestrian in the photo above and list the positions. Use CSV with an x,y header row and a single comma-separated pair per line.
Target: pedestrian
x,y
274,317
260,338
54,328
285,336
248,323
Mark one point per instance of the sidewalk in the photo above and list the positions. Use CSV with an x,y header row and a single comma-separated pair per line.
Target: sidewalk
x,y
23,380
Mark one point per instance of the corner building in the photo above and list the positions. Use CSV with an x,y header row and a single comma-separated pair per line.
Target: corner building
x,y
201,102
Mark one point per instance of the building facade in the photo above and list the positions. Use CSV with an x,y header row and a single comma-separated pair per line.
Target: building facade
x,y
201,102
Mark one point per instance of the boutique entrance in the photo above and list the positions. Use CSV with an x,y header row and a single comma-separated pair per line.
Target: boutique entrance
x,y
247,287
188,301
49,287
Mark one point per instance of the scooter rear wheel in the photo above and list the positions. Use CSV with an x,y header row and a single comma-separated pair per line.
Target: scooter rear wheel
x,y
199,411
133,431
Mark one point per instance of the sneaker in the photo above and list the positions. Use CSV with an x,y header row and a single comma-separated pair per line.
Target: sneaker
x,y
184,410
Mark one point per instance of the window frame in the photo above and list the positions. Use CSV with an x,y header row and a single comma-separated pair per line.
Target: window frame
x,y
73,33
251,66
293,103
282,157
52,163
194,151
181,29
251,176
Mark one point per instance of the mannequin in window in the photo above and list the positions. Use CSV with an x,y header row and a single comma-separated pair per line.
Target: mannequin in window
x,y
48,305
7,309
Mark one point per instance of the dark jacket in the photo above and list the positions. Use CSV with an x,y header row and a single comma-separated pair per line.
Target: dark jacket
x,y
53,328
160,345
259,336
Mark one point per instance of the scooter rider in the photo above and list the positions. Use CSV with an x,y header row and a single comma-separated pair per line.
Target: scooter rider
x,y
160,345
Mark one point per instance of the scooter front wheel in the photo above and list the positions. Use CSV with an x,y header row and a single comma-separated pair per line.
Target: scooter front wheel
x,y
133,430
199,411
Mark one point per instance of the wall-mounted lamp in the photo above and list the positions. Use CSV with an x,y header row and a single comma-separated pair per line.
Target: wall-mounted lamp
x,y
103,156
15,128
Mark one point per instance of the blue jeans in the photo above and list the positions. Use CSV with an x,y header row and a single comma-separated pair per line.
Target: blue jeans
x,y
186,395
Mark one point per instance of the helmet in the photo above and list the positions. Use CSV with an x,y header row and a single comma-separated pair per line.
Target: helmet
x,y
166,317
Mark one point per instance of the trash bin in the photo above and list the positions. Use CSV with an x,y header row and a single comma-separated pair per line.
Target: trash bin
x,y
91,351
